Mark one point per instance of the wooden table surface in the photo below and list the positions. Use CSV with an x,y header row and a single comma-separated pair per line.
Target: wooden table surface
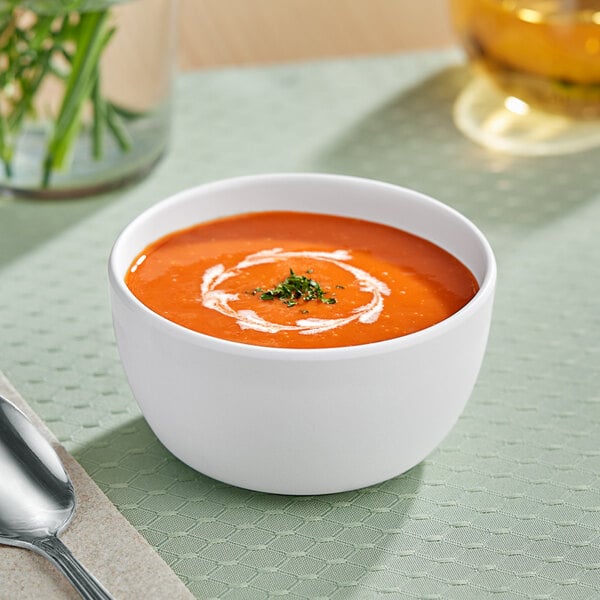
x,y
213,32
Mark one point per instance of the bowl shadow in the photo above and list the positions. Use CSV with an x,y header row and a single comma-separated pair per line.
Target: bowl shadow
x,y
229,534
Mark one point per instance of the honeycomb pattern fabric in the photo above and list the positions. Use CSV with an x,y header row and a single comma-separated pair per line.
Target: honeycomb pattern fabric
x,y
508,507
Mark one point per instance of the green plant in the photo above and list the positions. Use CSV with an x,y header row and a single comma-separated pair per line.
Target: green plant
x,y
63,40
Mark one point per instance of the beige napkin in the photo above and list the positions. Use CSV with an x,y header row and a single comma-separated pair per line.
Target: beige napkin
x,y
99,536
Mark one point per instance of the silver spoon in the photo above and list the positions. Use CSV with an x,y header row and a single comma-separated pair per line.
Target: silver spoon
x,y
37,500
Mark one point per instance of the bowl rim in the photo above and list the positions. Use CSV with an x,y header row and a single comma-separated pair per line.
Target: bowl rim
x,y
118,286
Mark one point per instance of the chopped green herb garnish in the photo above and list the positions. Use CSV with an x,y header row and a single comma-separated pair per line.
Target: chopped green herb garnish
x,y
294,288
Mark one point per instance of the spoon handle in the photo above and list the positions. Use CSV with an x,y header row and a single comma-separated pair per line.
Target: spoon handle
x,y
80,578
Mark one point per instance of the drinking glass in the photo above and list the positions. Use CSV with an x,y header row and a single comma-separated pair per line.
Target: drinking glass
x,y
537,85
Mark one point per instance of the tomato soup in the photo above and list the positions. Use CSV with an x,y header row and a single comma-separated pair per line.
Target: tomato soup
x,y
299,280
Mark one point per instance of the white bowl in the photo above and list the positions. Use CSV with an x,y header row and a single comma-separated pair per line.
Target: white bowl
x,y
298,421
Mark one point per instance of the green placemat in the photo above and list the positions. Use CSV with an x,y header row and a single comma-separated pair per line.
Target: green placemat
x,y
507,507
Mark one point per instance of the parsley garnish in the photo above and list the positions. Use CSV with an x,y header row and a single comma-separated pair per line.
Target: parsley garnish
x,y
294,288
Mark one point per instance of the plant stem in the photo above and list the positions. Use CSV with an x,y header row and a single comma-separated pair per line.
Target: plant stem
x,y
92,40
115,124
98,124
5,150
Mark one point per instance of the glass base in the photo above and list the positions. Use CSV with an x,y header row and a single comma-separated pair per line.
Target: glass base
x,y
487,116
86,175
82,190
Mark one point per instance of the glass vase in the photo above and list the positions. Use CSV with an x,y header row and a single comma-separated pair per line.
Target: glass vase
x,y
85,91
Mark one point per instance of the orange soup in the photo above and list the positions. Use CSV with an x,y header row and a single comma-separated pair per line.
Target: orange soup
x,y
299,280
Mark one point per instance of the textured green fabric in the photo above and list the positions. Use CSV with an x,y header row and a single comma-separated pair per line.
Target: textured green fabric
x,y
507,507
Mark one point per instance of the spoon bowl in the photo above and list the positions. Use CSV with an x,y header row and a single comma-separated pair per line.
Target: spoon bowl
x,y
37,499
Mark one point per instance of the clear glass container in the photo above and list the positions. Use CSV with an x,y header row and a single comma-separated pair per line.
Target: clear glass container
x,y
538,89
84,93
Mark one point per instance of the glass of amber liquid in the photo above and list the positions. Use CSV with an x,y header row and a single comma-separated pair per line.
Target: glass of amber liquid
x,y
537,84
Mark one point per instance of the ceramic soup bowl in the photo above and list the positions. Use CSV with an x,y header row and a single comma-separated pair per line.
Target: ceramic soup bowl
x,y
302,421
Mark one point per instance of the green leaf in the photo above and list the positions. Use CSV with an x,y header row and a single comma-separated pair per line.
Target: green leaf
x,y
297,287
92,40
